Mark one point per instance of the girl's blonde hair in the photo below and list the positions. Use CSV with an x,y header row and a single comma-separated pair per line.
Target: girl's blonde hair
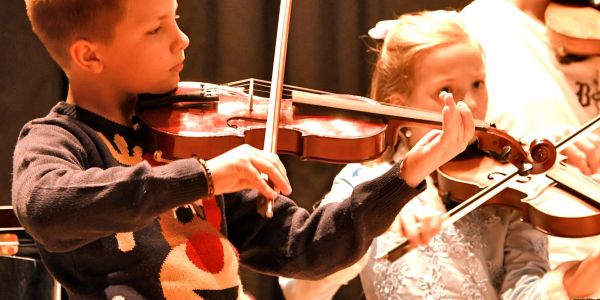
x,y
411,37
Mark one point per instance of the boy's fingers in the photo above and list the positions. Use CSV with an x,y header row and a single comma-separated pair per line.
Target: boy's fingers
x,y
267,166
274,159
260,184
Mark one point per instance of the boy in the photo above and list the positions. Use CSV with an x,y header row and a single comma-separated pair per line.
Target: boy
x,y
109,225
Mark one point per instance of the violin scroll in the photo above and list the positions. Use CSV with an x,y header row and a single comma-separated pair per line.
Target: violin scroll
x,y
505,148
543,154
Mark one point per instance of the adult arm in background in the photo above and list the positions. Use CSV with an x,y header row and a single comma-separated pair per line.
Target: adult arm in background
x,y
527,272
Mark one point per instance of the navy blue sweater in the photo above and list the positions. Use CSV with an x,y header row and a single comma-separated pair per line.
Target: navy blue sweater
x,y
108,223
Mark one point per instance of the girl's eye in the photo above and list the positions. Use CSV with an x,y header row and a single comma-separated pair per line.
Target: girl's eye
x,y
446,89
478,84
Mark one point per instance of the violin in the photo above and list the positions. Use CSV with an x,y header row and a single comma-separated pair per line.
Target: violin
x,y
204,120
562,202
556,203
573,27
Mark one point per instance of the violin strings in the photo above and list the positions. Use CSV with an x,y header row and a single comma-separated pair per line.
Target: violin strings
x,y
574,179
477,200
263,87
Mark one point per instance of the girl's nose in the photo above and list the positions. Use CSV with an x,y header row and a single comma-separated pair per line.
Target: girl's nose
x,y
470,101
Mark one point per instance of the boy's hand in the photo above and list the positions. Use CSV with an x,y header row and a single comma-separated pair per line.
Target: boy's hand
x,y
438,147
240,168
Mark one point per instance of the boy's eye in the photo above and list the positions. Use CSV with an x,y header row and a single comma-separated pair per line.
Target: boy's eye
x,y
155,31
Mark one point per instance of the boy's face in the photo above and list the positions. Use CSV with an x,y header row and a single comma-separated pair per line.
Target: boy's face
x,y
456,68
147,51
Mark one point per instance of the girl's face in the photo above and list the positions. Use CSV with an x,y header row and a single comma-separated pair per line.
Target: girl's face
x,y
455,68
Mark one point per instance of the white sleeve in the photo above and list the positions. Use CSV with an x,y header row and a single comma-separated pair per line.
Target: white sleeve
x,y
324,289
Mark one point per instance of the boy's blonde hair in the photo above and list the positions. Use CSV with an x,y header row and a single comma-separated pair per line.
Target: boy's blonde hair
x,y
411,37
58,23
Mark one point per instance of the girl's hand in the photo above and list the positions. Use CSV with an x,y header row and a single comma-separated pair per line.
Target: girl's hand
x,y
438,147
418,223
241,167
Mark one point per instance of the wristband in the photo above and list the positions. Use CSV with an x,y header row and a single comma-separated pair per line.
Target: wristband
x,y
209,180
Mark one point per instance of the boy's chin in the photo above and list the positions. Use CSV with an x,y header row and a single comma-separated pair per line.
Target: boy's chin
x,y
162,88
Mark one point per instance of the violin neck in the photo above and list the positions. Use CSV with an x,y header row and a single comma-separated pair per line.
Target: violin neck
x,y
409,117
570,178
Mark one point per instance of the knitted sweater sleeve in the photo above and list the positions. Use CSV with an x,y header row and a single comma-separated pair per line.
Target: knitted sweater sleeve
x,y
298,244
65,201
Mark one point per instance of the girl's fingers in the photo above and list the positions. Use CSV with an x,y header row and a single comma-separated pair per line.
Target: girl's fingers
x,y
448,113
431,222
410,228
458,124
397,226
468,122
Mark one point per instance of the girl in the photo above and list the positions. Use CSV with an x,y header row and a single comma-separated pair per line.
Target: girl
x,y
488,254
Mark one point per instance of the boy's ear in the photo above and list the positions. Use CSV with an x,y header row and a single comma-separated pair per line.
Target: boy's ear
x,y
84,55
397,99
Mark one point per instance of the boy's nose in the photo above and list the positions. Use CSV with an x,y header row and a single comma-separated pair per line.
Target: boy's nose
x,y
182,42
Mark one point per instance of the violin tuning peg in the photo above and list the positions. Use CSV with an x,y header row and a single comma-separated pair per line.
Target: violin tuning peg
x,y
525,169
505,153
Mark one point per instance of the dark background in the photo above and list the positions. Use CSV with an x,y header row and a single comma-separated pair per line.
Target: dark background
x,y
230,40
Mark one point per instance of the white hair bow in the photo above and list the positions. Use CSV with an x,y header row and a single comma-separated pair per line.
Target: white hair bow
x,y
381,29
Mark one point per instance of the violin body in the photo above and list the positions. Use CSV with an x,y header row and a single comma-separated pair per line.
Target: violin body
x,y
546,204
205,120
